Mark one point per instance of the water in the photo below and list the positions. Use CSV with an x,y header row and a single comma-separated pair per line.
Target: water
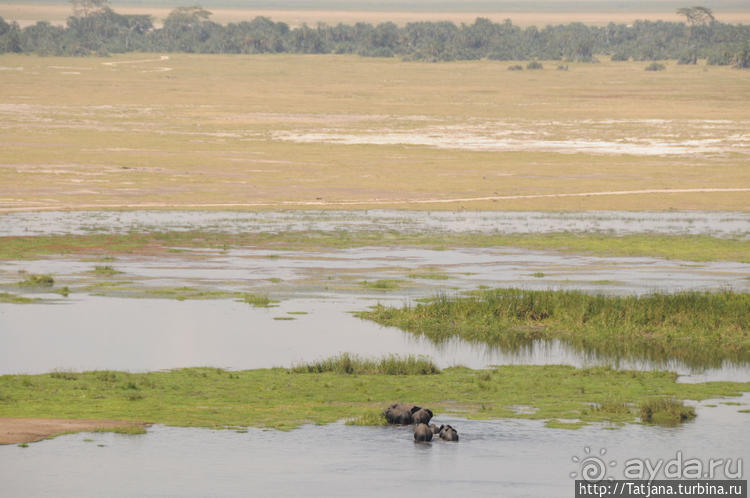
x,y
718,224
84,332
519,458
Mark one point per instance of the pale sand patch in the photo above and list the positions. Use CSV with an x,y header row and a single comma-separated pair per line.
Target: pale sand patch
x,y
27,430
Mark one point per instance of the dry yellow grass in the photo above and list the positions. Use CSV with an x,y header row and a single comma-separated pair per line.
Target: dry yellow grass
x,y
257,132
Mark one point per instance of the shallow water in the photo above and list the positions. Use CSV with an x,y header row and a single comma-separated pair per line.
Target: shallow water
x,y
102,333
84,332
719,224
518,458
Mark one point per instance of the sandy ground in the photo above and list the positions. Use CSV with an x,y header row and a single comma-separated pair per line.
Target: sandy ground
x,y
27,430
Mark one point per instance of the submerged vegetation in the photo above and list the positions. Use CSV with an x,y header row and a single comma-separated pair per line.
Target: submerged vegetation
x,y
684,247
701,329
283,399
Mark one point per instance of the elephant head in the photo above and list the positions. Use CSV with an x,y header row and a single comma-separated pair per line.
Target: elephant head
x,y
422,432
435,428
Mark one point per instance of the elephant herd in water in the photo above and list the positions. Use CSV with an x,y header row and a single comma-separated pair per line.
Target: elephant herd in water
x,y
406,414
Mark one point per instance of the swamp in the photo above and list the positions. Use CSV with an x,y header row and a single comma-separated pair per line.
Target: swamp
x,y
217,270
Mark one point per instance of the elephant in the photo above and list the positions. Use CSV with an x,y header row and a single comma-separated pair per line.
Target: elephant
x,y
422,432
448,433
435,428
400,413
421,416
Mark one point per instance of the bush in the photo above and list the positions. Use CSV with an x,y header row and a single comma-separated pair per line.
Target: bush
x,y
516,67
619,56
656,66
534,65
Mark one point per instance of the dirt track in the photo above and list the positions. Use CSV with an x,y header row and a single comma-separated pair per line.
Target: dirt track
x,y
364,202
27,430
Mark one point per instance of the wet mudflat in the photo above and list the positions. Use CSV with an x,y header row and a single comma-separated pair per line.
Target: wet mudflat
x,y
519,458
718,224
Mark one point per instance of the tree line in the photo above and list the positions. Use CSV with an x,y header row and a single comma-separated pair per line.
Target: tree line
x,y
96,29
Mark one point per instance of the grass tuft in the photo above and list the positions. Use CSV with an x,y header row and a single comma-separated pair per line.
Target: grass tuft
x,y
38,281
666,411
389,365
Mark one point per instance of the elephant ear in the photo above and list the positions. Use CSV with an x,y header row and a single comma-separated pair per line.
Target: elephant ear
x,y
430,412
415,409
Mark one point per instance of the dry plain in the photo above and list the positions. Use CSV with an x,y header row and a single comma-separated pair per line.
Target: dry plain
x,y
326,131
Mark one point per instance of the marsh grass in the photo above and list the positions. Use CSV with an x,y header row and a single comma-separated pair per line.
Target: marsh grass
x,y
429,275
371,418
130,430
381,284
6,297
282,399
257,300
351,364
701,329
665,411
105,270
38,280
682,247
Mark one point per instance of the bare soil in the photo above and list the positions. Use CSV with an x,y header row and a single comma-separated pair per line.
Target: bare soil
x,y
28,430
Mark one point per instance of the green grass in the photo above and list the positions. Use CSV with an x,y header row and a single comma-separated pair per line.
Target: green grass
x,y
6,297
682,247
283,399
538,275
38,281
701,329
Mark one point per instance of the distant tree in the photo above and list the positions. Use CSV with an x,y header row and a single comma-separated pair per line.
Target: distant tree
x,y
655,66
85,8
697,16
741,59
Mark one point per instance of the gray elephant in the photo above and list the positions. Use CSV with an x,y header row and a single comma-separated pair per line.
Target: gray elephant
x,y
422,433
400,413
421,416
435,428
448,433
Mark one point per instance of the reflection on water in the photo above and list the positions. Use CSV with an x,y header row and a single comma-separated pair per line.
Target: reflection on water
x,y
92,333
516,458
719,224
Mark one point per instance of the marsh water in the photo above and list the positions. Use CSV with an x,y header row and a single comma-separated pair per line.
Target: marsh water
x,y
117,322
519,458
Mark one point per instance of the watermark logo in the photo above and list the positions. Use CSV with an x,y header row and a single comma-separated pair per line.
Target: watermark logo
x,y
596,468
592,468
